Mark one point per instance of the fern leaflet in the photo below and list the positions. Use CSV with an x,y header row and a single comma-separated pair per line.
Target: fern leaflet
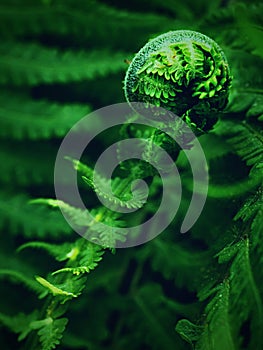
x,y
20,323
34,64
14,210
50,331
23,118
243,287
20,278
216,333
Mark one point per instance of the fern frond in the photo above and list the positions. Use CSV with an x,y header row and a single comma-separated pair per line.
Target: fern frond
x,y
125,200
216,333
87,254
235,26
61,252
33,64
247,101
249,25
20,278
256,108
242,279
50,331
217,329
107,233
81,21
56,291
115,191
172,259
29,18
74,270
23,218
90,255
109,236
246,139
19,323
62,291
250,149
252,214
77,215
189,331
243,287
251,208
119,193
22,117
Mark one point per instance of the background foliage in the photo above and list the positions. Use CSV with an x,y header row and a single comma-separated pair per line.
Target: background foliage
x,y
60,60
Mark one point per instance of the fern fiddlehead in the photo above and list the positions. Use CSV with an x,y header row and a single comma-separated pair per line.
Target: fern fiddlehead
x,y
184,72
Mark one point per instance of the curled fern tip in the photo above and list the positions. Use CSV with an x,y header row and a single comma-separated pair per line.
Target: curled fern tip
x,y
184,72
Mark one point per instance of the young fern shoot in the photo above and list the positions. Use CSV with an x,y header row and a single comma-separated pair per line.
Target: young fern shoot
x,y
184,72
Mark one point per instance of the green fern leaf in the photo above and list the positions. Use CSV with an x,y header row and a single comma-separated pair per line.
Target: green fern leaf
x,y
189,331
246,139
23,118
33,64
125,201
30,18
50,331
74,270
251,213
243,287
90,255
118,195
61,252
23,218
250,26
216,333
171,259
227,253
249,149
85,253
56,291
19,323
80,21
254,211
107,234
77,215
251,208
116,191
256,108
222,27
20,278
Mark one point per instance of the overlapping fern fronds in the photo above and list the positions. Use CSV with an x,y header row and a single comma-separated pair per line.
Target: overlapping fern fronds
x,y
61,59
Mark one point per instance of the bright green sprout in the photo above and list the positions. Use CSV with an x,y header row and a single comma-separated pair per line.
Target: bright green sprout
x,y
184,72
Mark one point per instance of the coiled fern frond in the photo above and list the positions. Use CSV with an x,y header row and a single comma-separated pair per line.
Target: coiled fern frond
x,y
182,71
